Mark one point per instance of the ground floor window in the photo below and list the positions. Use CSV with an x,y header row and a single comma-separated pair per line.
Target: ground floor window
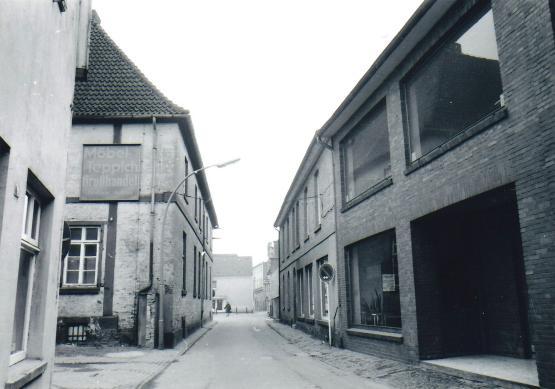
x,y
324,298
374,282
300,293
309,291
22,306
81,265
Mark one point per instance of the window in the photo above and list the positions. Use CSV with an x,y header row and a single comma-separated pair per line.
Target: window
x,y
199,254
186,185
196,204
77,333
374,282
300,292
24,290
288,294
365,154
297,225
454,88
194,272
81,265
184,265
305,213
317,202
309,291
282,292
324,298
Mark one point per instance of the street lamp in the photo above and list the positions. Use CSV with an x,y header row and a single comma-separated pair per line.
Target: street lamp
x,y
161,282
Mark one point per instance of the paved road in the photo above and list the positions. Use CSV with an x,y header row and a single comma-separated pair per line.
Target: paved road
x,y
243,352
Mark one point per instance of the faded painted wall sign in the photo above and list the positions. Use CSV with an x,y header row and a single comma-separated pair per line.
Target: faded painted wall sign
x,y
388,283
111,172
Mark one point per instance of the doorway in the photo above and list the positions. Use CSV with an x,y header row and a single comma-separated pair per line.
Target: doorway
x,y
469,276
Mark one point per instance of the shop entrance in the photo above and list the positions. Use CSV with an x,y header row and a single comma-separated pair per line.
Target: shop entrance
x,y
469,277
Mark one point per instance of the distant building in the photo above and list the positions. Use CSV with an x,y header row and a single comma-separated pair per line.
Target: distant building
x,y
39,46
232,283
272,288
130,147
260,284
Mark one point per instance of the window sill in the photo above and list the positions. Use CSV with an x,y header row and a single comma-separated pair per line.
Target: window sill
x,y
79,290
183,293
306,239
24,372
367,194
376,334
318,228
458,139
323,323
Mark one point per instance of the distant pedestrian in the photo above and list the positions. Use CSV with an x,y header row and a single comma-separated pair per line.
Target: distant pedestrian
x,y
227,309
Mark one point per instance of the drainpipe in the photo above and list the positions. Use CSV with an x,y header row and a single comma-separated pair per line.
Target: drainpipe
x,y
152,203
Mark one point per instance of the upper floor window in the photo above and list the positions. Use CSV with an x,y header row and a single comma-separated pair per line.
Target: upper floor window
x,y
81,265
186,188
31,219
365,154
305,213
455,87
317,201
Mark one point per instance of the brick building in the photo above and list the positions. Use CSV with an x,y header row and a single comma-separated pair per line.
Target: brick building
x,y
444,166
130,146
307,240
232,283
39,42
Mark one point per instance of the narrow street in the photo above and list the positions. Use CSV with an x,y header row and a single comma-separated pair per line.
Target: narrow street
x,y
243,352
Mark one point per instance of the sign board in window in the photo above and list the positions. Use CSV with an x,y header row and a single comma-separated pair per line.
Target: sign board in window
x,y
111,172
388,283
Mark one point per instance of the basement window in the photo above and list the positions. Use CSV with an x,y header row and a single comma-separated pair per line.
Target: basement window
x,y
77,333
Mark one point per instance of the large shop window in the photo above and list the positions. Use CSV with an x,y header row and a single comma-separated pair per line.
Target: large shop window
x,y
455,88
81,265
374,282
365,154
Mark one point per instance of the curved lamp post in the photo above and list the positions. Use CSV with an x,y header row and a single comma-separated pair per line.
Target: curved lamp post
x,y
161,280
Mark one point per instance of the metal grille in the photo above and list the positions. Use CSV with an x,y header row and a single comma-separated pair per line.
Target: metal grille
x,y
76,333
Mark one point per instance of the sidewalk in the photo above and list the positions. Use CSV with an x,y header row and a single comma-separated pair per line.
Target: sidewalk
x,y
120,367
387,372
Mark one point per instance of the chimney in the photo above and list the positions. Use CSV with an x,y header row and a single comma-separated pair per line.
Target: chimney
x,y
83,36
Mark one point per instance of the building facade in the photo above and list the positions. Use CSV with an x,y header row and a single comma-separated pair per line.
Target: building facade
x,y
272,287
444,162
232,283
129,149
260,286
307,240
38,42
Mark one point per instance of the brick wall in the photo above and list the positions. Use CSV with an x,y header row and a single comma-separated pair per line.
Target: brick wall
x,y
517,147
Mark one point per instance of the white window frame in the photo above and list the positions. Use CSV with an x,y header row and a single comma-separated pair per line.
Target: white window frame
x,y
82,242
29,244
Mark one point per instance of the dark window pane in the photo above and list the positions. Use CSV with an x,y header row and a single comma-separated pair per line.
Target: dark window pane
x,y
374,280
72,277
90,263
455,88
366,154
90,250
76,233
88,277
74,250
36,218
92,233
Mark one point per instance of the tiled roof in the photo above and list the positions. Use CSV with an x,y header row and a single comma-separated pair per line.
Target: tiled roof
x,y
114,86
228,265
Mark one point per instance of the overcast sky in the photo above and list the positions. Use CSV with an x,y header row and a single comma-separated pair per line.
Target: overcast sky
x,y
259,78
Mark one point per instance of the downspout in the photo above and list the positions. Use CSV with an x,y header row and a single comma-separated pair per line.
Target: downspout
x,y
152,203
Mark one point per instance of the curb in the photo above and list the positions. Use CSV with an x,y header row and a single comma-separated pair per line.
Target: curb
x,y
144,384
